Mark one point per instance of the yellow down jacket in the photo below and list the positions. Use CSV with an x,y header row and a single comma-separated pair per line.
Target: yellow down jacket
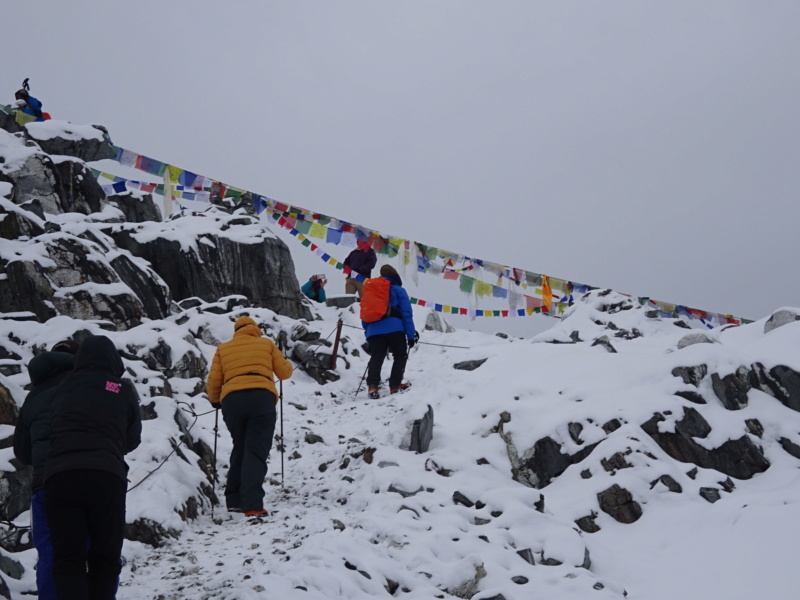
x,y
249,361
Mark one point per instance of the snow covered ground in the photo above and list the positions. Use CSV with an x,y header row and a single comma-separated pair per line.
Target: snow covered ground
x,y
356,516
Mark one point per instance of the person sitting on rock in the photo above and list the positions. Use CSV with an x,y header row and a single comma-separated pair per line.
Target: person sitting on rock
x,y
314,288
28,108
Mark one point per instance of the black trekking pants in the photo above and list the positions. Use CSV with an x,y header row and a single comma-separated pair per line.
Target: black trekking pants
x,y
250,416
85,504
394,342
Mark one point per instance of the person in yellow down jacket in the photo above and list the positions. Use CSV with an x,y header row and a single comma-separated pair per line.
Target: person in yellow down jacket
x,y
241,382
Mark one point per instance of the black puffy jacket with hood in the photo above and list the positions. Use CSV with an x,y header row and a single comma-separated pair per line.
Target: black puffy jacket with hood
x,y
32,433
95,417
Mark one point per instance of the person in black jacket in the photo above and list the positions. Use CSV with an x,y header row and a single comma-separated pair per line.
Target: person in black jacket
x,y
31,444
95,422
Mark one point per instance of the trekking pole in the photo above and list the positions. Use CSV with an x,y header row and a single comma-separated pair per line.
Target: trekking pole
x,y
214,469
283,443
280,397
362,380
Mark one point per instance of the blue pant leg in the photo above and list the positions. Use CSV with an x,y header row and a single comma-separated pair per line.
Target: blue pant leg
x,y
41,539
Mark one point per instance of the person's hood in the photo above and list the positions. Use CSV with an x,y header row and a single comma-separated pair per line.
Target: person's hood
x,y
394,278
99,352
246,326
49,364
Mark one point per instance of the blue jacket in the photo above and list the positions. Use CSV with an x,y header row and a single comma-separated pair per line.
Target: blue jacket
x,y
34,108
320,296
399,303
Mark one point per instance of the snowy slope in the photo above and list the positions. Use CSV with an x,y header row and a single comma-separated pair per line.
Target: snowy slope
x,y
358,517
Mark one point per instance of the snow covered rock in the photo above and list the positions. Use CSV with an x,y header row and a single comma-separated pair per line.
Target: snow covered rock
x,y
86,142
780,318
229,254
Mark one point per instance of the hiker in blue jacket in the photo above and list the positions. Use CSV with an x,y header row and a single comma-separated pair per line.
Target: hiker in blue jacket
x,y
314,288
394,333
28,108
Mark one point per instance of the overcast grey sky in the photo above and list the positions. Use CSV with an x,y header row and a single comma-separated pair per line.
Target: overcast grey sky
x,y
650,147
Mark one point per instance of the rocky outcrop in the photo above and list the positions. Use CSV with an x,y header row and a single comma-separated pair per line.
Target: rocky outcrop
x,y
86,142
739,458
77,280
246,261
36,179
136,208
15,491
77,188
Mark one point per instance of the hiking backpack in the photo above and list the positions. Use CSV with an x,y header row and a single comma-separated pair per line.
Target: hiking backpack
x,y
375,299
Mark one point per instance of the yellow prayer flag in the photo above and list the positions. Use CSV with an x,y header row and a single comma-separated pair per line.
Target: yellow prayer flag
x,y
483,289
174,173
558,284
318,231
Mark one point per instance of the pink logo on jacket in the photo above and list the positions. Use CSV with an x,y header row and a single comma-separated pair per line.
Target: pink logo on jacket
x,y
112,387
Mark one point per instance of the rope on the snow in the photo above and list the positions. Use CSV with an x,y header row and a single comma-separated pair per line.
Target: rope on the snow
x,y
175,447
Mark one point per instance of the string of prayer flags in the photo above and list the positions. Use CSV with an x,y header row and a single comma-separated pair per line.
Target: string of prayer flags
x,y
186,185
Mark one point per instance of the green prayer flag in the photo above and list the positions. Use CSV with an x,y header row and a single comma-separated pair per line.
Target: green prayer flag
x,y
465,284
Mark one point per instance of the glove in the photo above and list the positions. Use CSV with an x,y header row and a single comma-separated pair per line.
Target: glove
x,y
414,340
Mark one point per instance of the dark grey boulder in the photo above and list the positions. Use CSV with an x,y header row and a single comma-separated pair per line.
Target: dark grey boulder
x,y
145,283
781,382
149,532
587,523
258,268
341,301
11,567
77,189
138,208
618,502
691,375
780,318
691,339
435,321
15,491
20,222
709,493
732,388
8,122
9,411
36,179
739,458
315,360
790,447
422,432
691,396
469,365
87,149
603,341
669,482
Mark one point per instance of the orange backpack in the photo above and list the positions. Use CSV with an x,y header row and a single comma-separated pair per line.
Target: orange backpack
x,y
375,299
